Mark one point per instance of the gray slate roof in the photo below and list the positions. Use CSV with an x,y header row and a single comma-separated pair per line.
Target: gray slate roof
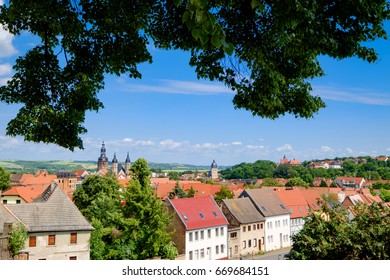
x,y
266,201
6,217
244,210
57,213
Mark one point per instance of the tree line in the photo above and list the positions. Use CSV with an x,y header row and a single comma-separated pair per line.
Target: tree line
x,y
370,169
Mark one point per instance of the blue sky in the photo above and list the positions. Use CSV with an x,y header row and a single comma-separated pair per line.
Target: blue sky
x,y
170,116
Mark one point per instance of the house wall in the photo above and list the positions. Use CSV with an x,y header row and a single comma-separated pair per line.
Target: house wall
x,y
11,199
234,243
214,243
296,225
251,238
277,232
62,250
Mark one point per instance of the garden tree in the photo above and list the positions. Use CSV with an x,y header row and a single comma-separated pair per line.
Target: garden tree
x,y
174,176
17,239
191,192
5,182
323,184
92,187
270,182
330,235
132,227
177,191
223,193
150,237
266,51
384,195
349,168
296,182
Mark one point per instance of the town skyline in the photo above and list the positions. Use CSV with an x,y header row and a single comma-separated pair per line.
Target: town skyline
x,y
171,116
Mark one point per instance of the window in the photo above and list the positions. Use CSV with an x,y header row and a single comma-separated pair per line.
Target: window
x,y
202,235
18,201
215,213
196,254
73,238
4,201
236,249
262,226
221,231
196,236
243,244
233,235
222,249
52,239
32,242
73,258
244,229
209,233
190,236
201,215
249,228
255,242
202,253
250,243
190,255
258,226
217,232
217,249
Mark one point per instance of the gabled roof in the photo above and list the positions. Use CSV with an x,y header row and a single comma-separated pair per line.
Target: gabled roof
x,y
244,210
198,212
354,199
54,212
6,217
266,201
27,193
312,197
294,201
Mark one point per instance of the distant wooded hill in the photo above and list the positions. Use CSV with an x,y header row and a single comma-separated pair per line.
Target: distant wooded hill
x,y
21,166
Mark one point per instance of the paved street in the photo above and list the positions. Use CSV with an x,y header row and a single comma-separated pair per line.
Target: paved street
x,y
273,255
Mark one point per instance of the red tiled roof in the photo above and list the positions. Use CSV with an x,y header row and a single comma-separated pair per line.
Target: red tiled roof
x,y
123,182
201,189
294,201
198,212
27,193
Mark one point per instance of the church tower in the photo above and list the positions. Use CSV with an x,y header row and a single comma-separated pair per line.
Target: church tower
x,y
114,166
214,170
103,160
127,164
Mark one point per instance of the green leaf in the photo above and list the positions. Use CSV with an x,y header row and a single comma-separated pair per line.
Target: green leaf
x,y
216,41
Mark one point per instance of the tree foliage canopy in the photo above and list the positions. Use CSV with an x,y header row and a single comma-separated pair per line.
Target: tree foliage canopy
x,y
266,51
330,235
5,182
128,224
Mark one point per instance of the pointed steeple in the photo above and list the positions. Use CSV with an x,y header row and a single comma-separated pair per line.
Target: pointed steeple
x,y
114,160
128,158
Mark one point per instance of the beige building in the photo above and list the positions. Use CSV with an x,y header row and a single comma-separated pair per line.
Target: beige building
x,y
246,227
56,228
214,171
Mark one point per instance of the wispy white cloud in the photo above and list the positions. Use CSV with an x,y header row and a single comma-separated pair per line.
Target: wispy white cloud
x,y
6,47
5,69
326,149
179,87
284,148
356,95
